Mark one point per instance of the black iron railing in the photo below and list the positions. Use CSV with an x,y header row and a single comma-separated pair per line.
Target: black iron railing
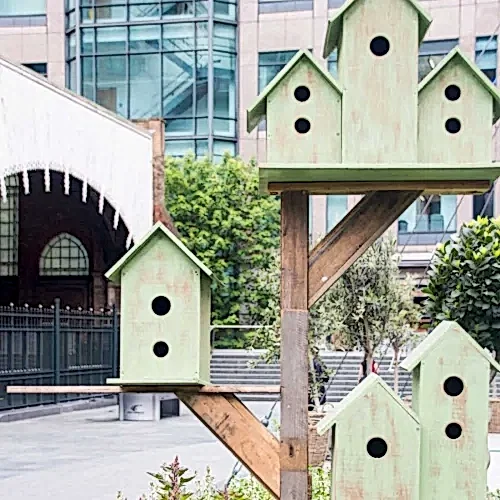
x,y
55,347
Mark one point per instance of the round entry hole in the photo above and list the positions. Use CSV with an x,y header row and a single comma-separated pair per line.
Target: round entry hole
x,y
302,93
453,431
453,125
453,386
160,349
380,46
160,305
452,92
376,447
302,126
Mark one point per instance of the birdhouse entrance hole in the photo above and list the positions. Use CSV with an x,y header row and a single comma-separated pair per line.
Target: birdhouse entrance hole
x,y
302,93
160,349
452,93
302,126
453,386
376,447
453,125
453,431
380,46
160,305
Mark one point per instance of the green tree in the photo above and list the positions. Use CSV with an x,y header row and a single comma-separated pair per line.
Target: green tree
x,y
230,226
464,282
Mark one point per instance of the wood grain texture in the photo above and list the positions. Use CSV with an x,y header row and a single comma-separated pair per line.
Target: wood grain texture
x,y
347,241
240,431
322,110
379,104
294,349
147,388
428,187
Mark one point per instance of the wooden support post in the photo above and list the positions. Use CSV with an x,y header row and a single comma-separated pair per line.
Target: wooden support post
x,y
294,349
352,236
241,432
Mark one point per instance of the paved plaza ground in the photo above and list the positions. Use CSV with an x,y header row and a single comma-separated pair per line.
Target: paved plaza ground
x,y
90,455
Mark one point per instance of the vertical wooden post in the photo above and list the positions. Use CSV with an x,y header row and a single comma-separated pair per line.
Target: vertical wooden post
x,y
294,348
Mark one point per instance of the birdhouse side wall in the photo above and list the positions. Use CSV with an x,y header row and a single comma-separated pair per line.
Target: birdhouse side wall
x,y
453,468
379,106
205,332
160,269
376,415
322,110
473,109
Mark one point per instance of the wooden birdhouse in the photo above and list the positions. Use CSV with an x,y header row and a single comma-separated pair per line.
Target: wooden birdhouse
x,y
450,396
375,444
301,103
457,105
377,69
165,313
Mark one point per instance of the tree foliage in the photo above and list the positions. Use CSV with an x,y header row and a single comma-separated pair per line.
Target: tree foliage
x,y
227,224
464,282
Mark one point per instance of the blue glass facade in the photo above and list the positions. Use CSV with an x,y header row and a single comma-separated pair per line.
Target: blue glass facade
x,y
144,59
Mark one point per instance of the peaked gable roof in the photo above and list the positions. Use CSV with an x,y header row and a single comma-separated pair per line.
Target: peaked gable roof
x,y
444,331
457,54
334,31
369,383
114,274
259,108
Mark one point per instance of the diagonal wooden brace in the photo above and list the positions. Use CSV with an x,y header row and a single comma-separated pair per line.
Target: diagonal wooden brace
x,y
349,239
241,432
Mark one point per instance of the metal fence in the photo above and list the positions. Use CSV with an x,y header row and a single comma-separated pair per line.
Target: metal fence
x,y
55,347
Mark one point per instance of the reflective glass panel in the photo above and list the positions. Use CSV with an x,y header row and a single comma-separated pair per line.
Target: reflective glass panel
x,y
145,86
112,88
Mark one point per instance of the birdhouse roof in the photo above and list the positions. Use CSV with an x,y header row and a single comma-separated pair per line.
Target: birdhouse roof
x,y
259,109
114,274
457,54
445,331
334,31
356,397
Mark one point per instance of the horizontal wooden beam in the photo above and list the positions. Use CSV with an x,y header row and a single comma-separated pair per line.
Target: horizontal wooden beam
x,y
241,432
352,236
110,389
429,187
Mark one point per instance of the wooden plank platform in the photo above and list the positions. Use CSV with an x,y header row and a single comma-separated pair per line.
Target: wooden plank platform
x,y
112,389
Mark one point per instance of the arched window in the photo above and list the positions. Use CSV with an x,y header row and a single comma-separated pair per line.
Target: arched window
x,y
64,255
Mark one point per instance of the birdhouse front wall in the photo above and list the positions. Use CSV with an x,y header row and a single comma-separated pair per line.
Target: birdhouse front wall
x,y
455,116
454,441
379,110
304,118
165,347
358,474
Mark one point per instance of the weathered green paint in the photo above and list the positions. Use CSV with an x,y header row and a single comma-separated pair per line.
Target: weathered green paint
x,y
452,468
457,57
336,24
376,172
160,266
316,72
379,103
322,110
373,410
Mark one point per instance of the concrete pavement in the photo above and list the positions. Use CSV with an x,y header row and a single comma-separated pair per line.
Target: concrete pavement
x,y
90,455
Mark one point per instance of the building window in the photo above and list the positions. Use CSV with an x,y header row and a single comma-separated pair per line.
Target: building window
x,y
483,204
486,56
23,12
179,148
431,53
427,223
268,6
336,208
333,64
9,228
335,4
64,255
40,68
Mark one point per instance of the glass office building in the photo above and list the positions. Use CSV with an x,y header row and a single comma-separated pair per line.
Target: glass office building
x,y
145,58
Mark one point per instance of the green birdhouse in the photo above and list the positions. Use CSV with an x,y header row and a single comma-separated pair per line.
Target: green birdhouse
x,y
450,396
165,313
375,444
301,103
